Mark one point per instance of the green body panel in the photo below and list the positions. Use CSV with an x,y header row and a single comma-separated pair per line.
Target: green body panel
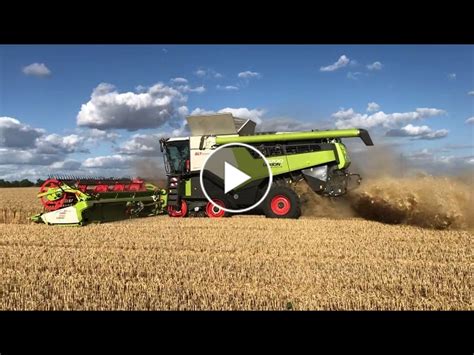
x,y
80,207
278,164
281,137
344,160
281,164
307,160
187,187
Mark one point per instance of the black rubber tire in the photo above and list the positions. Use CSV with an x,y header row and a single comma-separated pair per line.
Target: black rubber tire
x,y
290,194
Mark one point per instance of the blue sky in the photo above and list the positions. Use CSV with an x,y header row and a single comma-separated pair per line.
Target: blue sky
x,y
421,98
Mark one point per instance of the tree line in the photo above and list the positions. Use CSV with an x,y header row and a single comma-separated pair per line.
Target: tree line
x,y
20,183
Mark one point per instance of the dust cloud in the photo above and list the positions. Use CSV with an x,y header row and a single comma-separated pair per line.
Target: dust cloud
x,y
151,171
392,192
425,201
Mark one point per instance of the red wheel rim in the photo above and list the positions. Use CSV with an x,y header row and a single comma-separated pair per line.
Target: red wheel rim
x,y
213,211
181,213
280,205
55,204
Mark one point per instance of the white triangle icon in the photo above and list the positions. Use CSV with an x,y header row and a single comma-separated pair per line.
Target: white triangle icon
x,y
233,177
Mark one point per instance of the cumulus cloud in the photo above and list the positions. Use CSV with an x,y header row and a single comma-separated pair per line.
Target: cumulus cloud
x,y
208,73
471,93
249,74
452,76
417,132
187,88
373,107
108,108
37,69
94,135
284,125
242,112
56,144
200,72
350,118
375,66
340,63
470,120
179,81
22,156
430,159
15,134
108,162
22,144
354,75
142,144
66,165
227,87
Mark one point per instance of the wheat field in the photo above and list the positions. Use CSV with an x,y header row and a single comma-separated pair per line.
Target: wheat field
x,y
238,263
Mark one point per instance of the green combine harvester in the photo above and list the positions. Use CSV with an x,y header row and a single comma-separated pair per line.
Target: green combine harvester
x,y
318,157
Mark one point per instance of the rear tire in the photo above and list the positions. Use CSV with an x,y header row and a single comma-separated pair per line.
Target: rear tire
x,y
214,212
282,202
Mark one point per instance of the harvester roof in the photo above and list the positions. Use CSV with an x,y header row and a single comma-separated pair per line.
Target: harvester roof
x,y
220,124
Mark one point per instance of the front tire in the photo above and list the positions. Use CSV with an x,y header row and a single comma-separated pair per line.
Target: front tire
x,y
282,202
183,212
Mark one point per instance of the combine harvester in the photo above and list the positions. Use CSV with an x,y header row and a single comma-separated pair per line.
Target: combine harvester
x,y
318,157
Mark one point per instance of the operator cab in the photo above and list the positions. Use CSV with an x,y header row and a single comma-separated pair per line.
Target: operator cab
x,y
176,155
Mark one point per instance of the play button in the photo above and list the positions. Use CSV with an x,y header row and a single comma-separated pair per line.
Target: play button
x,y
235,177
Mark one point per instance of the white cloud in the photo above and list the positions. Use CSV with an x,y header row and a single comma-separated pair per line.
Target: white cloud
x,y
227,88
284,125
208,73
354,75
340,63
452,76
249,74
37,69
21,156
373,107
108,108
142,144
375,66
56,144
427,158
179,81
187,88
200,72
471,93
15,134
66,165
108,162
242,112
470,120
94,135
418,132
22,144
350,118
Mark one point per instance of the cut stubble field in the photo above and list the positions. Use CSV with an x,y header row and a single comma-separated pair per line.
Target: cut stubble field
x,y
238,263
